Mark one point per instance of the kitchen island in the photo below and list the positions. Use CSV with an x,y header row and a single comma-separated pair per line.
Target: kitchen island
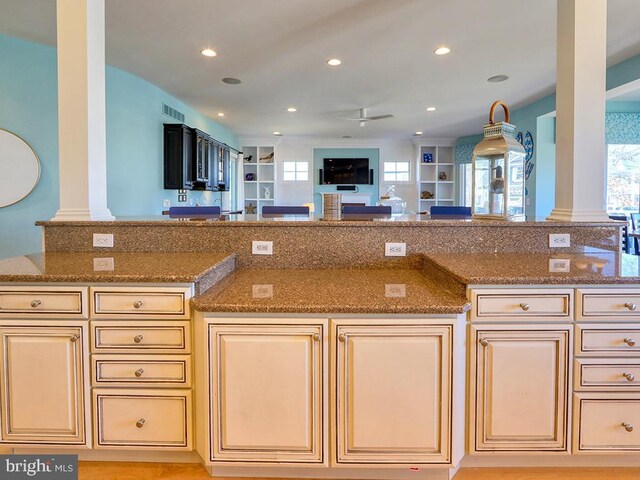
x,y
402,367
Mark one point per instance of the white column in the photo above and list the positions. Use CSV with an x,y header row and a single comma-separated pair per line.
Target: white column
x,y
580,105
81,111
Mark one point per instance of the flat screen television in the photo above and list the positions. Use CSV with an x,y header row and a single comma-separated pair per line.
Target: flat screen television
x,y
345,171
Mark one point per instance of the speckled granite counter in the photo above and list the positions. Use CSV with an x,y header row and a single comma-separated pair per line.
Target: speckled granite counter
x,y
202,269
334,291
589,267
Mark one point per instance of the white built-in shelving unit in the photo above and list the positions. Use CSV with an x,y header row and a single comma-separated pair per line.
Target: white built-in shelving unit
x,y
429,177
263,174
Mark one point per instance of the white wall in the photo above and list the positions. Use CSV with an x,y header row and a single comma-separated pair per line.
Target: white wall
x,y
301,149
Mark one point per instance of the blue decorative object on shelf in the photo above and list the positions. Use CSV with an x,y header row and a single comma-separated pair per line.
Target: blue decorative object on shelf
x,y
427,157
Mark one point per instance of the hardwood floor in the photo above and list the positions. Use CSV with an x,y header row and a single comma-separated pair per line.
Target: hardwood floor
x,y
192,471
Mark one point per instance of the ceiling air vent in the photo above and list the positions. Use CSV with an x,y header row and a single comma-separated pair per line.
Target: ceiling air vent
x,y
173,113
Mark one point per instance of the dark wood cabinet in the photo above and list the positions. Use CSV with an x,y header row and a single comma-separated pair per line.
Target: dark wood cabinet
x,y
193,160
178,157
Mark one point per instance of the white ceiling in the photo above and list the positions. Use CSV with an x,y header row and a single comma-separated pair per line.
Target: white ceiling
x,y
278,49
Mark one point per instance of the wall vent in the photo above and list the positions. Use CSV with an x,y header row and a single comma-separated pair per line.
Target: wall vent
x,y
173,113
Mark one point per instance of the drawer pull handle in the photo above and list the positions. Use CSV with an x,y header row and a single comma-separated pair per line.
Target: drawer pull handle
x,y
484,342
627,426
74,338
138,338
630,341
629,376
139,372
316,336
631,306
525,307
35,303
137,304
140,423
342,337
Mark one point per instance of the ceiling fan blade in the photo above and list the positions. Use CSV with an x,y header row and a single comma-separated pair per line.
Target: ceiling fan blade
x,y
380,117
353,118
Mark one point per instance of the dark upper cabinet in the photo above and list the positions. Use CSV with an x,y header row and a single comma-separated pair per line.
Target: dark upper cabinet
x,y
222,168
193,160
178,157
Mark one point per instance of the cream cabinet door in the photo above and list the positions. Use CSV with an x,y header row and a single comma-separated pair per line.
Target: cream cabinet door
x,y
42,385
393,394
521,388
267,393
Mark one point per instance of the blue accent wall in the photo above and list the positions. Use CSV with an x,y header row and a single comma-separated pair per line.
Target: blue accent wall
x,y
319,154
28,108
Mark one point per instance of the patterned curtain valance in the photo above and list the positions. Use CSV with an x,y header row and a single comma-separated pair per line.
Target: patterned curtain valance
x,y
622,128
464,153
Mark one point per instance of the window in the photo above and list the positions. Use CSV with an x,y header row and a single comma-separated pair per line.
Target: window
x,y
396,171
623,178
296,171
465,184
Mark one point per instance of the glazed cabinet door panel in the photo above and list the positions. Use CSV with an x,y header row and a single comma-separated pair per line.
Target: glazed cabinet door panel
x,y
521,388
393,394
267,393
42,385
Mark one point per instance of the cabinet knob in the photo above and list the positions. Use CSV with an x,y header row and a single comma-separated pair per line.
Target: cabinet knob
x,y
316,336
139,372
342,337
525,307
35,303
140,423
629,376
630,341
74,338
138,338
137,304
627,426
484,342
631,306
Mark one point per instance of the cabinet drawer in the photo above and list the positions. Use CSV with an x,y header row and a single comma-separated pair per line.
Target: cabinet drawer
x,y
606,339
141,337
157,419
42,301
153,303
527,304
623,303
611,374
146,370
607,422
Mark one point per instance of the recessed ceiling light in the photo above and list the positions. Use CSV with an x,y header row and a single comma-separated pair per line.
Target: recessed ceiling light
x,y
442,50
277,133
418,133
231,81
431,109
292,109
221,114
334,62
207,52
498,78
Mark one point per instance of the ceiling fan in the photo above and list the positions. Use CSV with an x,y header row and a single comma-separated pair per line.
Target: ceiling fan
x,y
363,118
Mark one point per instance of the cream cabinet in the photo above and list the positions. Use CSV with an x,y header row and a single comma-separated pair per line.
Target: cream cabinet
x,y
519,386
43,383
267,392
393,395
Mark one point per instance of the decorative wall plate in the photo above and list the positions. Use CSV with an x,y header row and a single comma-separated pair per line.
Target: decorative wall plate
x,y
528,146
19,168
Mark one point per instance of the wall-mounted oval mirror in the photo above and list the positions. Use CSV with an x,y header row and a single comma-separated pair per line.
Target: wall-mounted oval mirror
x,y
19,169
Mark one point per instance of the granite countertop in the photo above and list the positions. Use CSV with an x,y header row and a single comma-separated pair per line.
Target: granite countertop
x,y
205,268
592,266
408,219
334,291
